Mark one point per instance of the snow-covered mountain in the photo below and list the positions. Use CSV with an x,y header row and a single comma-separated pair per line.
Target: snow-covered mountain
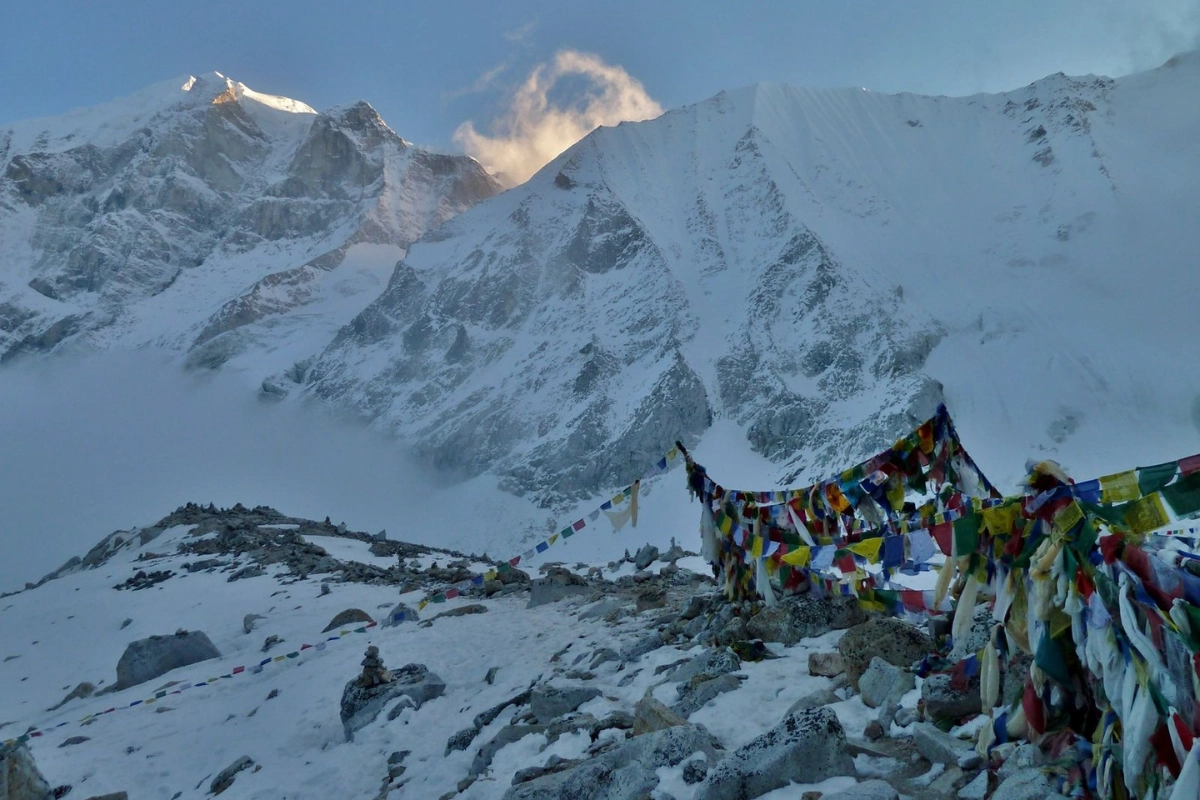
x,y
821,267
209,219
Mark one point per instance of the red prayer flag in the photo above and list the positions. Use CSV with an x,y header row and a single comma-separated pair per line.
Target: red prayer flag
x,y
1189,465
943,534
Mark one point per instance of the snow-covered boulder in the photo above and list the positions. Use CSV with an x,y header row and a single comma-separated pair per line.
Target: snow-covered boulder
x,y
806,747
147,659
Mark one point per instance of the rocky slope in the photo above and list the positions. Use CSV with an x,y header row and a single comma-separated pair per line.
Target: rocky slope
x,y
608,682
821,267
209,219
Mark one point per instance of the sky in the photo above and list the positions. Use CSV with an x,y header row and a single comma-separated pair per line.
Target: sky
x,y
515,83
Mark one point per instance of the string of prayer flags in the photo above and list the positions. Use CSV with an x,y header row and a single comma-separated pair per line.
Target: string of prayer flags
x,y
619,519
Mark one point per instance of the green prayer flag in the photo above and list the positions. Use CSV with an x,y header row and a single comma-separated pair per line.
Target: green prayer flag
x,y
966,534
1085,538
1151,479
1184,495
1050,660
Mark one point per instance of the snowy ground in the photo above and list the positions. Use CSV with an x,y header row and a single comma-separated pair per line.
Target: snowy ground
x,y
69,630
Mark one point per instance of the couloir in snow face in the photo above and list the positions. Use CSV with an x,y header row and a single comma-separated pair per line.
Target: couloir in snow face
x,y
201,216
821,267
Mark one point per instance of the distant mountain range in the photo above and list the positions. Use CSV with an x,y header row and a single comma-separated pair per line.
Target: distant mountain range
x,y
820,268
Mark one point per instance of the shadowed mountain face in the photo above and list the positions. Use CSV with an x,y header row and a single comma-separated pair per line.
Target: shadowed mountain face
x,y
821,267
200,215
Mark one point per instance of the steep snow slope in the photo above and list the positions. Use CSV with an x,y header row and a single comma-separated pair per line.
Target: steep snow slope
x,y
204,217
821,268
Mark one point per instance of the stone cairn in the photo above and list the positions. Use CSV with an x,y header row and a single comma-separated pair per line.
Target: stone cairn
x,y
373,673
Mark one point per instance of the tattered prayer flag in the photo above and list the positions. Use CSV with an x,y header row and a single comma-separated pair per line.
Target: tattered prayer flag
x,y
966,534
913,600
942,533
1068,517
999,519
1151,479
528,554
595,515
799,557
868,549
618,498
1184,494
893,551
607,504
1146,514
822,557
1088,491
1120,487
920,546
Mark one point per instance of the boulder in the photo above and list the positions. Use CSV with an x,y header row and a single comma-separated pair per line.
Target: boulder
x,y
559,583
799,617
646,556
627,771
361,705
1026,784
651,598
20,778
894,640
806,747
937,746
696,693
401,613
827,665
884,683
867,790
650,715
821,697
225,777
943,701
351,616
602,608
506,735
710,664
147,659
549,702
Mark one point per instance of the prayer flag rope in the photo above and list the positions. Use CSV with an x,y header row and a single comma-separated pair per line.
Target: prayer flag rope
x,y
618,518
1088,579
252,669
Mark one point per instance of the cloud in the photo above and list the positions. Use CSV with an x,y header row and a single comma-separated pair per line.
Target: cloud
x,y
536,127
521,35
116,440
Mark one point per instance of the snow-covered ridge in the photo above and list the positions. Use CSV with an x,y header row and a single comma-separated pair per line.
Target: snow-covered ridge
x,y
820,266
199,215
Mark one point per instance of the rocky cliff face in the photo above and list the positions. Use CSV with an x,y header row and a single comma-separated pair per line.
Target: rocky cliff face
x,y
820,267
199,215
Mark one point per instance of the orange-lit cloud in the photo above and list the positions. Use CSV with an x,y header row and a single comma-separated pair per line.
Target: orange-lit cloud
x,y
534,128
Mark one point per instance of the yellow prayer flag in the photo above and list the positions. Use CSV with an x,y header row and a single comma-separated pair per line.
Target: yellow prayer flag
x,y
618,498
868,548
756,546
1120,487
800,557
552,539
1068,517
1146,514
674,451
999,519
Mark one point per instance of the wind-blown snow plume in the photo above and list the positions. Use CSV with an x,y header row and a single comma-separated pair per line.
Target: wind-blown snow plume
x,y
535,128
